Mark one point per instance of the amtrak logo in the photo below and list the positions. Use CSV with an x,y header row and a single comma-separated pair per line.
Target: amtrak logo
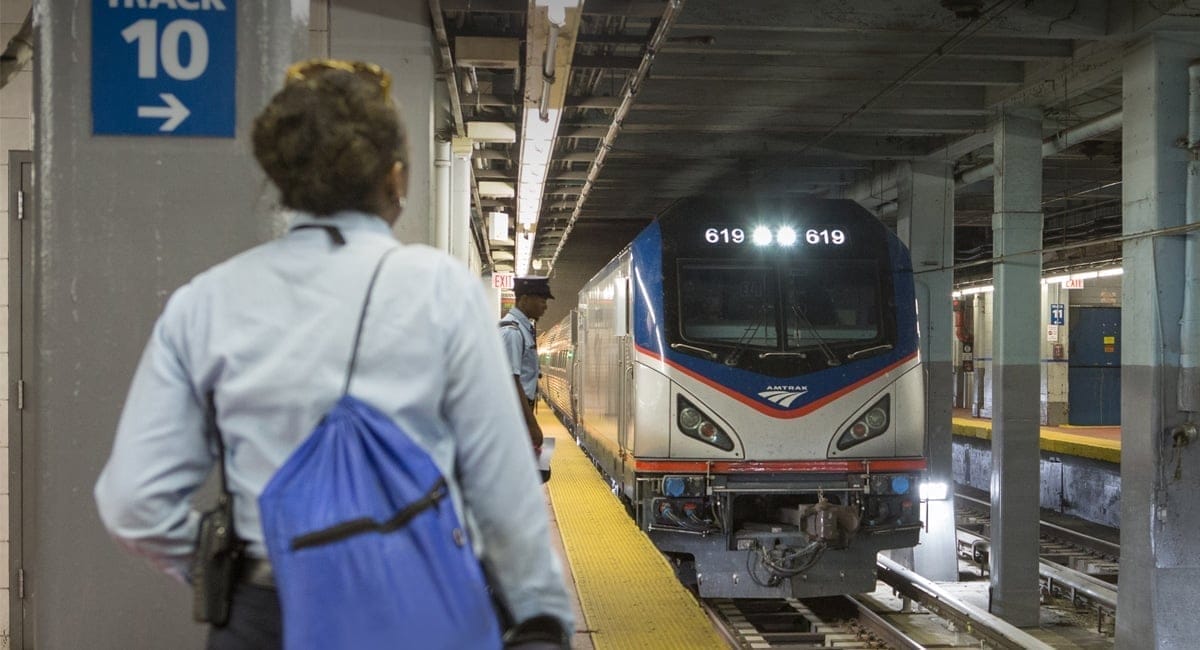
x,y
783,395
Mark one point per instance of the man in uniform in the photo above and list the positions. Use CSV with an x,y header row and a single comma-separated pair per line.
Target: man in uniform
x,y
520,344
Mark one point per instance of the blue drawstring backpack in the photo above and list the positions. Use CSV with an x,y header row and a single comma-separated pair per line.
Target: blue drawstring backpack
x,y
364,542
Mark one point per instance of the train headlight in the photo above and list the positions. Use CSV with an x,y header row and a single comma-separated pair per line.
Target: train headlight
x,y
786,236
869,425
689,418
876,418
695,424
762,236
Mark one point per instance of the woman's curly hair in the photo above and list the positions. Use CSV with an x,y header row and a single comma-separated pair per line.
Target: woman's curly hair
x,y
328,141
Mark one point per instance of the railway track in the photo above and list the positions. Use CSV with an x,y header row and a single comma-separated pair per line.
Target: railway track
x,y
831,622
865,621
1074,567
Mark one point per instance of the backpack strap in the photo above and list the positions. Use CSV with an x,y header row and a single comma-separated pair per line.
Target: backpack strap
x,y
335,235
362,316
510,324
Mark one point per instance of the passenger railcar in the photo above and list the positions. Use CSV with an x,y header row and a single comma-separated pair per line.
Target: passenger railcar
x,y
746,373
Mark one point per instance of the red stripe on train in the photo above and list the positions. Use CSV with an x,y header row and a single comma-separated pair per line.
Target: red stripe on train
x,y
776,466
769,410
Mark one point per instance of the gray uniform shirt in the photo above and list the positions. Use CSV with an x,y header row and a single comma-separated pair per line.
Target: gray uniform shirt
x,y
521,348
270,332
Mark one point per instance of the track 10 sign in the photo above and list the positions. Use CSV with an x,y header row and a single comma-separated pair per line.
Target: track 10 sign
x,y
164,67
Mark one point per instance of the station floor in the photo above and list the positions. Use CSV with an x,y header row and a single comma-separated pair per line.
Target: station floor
x,y
626,594
1099,443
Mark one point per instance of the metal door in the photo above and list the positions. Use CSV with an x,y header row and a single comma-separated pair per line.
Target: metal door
x,y
20,364
1094,366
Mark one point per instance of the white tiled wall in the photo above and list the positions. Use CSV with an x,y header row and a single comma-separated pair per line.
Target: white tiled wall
x,y
16,132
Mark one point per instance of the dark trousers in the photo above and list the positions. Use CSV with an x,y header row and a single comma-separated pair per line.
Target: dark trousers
x,y
255,621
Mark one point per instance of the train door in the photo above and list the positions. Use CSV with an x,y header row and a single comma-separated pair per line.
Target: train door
x,y
625,418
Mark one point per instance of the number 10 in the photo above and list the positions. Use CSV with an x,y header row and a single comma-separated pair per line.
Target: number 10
x,y
145,32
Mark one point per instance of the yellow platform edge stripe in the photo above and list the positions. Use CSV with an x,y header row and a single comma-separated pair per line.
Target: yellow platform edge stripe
x,y
627,590
1052,441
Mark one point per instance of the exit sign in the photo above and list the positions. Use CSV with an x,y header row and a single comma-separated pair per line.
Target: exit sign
x,y
503,281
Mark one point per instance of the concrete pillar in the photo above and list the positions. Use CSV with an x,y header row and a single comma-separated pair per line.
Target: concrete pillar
x,y
397,35
1160,552
460,199
1017,228
121,221
926,223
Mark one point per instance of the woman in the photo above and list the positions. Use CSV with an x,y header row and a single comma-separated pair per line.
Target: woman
x,y
269,331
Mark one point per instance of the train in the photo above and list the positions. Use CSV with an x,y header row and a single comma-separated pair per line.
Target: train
x,y
746,373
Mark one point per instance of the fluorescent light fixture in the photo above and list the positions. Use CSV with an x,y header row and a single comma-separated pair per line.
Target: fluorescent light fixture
x,y
762,236
934,491
537,147
1090,275
1056,279
970,291
1108,273
786,236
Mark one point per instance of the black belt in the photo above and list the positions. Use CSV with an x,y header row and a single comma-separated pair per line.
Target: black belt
x,y
257,572
531,401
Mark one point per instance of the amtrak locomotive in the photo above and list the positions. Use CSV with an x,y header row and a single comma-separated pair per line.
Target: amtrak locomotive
x,y
746,373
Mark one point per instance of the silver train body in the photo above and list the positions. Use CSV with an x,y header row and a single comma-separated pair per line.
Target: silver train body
x,y
746,373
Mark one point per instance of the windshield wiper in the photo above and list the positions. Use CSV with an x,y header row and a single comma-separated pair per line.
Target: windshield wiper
x,y
712,356
830,357
744,341
786,353
874,348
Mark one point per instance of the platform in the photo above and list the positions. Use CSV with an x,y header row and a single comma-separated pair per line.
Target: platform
x,y
1097,443
626,592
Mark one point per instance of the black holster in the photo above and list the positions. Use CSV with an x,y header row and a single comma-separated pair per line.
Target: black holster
x,y
216,564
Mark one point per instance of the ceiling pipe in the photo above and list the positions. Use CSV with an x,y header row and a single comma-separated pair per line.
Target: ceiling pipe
x,y
885,183
557,18
628,92
1056,143
1189,352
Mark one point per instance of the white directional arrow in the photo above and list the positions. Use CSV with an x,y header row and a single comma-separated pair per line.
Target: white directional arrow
x,y
174,111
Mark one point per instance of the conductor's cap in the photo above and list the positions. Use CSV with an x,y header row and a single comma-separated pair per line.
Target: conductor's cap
x,y
531,286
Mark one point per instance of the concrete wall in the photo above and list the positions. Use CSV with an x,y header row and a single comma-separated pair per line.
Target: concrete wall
x,y
1080,487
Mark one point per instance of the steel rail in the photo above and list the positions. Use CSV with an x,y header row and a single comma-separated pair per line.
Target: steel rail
x,y
973,620
1101,545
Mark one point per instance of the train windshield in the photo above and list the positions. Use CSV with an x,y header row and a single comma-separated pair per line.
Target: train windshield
x,y
827,310
843,306
729,305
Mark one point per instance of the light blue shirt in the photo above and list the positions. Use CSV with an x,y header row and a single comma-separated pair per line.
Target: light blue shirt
x,y
270,332
521,348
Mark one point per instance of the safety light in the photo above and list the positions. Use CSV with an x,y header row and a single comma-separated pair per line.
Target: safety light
x,y
786,236
934,491
762,236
